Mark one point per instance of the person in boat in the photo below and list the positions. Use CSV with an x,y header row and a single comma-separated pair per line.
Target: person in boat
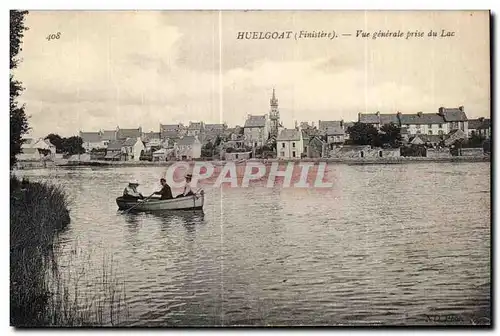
x,y
131,192
187,187
165,192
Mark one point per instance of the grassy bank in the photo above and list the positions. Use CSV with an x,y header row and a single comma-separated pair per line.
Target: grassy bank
x,y
37,212
38,294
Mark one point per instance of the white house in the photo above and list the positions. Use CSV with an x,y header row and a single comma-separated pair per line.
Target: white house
x,y
335,133
256,130
290,144
133,148
188,148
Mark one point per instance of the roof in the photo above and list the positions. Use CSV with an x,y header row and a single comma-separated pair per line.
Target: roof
x,y
124,133
129,142
480,123
91,136
369,118
421,118
337,130
187,140
197,125
256,121
169,127
151,135
389,118
324,124
115,144
108,135
305,135
289,135
453,114
214,127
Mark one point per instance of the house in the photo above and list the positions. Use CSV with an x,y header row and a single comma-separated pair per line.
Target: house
x,y
172,131
316,147
335,134
152,140
455,118
92,140
29,154
256,130
45,145
423,123
108,135
480,126
290,144
195,128
126,133
114,151
323,125
188,148
163,154
133,148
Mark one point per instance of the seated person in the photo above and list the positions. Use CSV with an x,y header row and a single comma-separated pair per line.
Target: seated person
x,y
130,192
187,188
165,192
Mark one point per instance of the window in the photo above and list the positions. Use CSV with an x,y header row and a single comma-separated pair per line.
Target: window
x,y
293,144
282,153
380,153
236,155
293,154
418,132
440,132
282,145
440,125
429,132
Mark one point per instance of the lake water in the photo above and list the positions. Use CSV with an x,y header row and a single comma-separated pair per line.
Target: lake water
x,y
387,244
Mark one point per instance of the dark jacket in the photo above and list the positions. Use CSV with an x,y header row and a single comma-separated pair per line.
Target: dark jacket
x,y
165,192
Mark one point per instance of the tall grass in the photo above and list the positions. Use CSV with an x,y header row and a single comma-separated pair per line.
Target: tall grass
x,y
39,293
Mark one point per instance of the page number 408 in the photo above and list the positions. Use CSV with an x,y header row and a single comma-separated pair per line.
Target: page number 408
x,y
54,36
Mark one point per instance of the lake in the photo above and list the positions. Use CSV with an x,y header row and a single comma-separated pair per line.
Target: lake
x,y
387,244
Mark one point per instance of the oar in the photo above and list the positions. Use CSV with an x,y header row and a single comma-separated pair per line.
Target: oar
x,y
139,202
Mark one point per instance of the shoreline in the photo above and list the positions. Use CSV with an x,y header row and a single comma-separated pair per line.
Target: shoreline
x,y
350,161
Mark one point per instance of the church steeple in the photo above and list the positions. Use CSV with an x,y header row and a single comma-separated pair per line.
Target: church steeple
x,y
274,114
273,100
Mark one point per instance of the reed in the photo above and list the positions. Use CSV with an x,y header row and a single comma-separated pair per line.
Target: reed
x,y
39,290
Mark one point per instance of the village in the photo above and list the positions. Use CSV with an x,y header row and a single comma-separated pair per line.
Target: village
x,y
446,133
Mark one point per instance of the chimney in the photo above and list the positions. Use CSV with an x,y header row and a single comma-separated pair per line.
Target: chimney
x,y
419,114
312,124
441,110
342,124
378,113
461,108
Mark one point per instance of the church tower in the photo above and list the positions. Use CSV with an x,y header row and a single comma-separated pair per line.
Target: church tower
x,y
274,115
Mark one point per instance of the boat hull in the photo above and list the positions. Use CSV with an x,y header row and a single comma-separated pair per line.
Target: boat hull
x,y
182,203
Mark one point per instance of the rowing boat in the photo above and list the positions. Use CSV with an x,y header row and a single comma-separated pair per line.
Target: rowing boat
x,y
192,202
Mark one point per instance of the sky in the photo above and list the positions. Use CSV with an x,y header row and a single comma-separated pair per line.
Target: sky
x,y
139,68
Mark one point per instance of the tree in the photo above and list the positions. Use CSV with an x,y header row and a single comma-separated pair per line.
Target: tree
x,y
56,140
72,145
363,134
390,134
18,119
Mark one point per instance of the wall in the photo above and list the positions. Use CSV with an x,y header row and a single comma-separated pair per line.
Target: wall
x,y
438,153
288,149
237,156
364,152
472,152
424,129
